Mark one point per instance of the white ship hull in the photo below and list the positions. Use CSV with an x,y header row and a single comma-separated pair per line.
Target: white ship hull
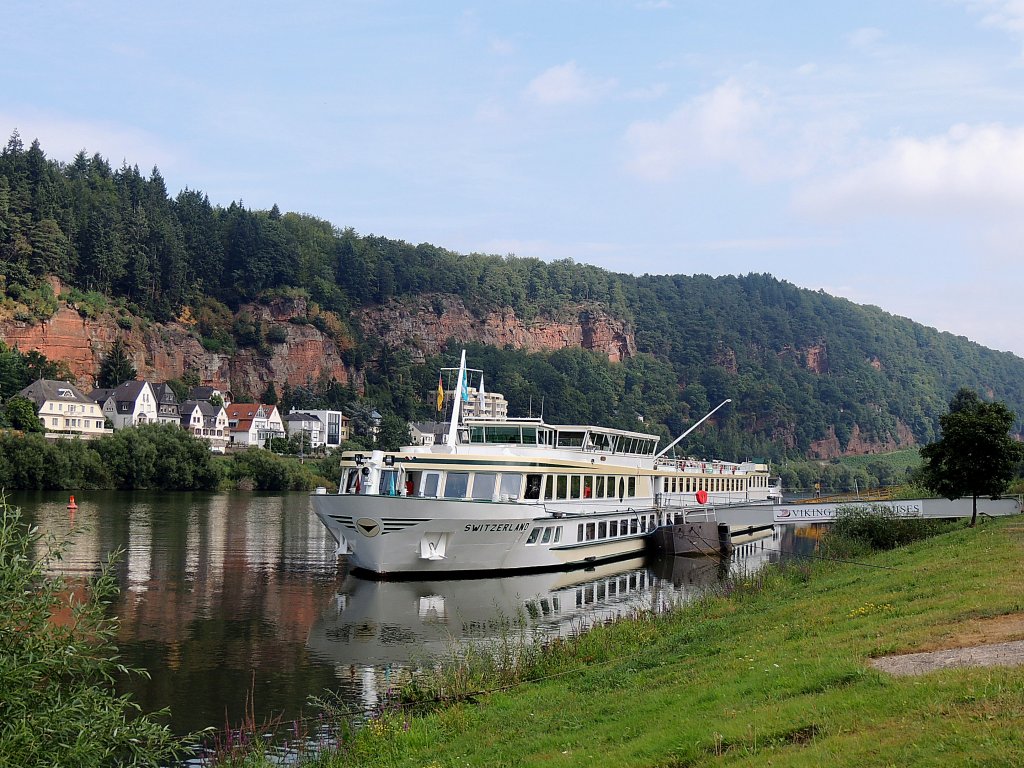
x,y
396,535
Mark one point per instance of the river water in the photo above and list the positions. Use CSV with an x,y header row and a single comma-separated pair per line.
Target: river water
x,y
236,601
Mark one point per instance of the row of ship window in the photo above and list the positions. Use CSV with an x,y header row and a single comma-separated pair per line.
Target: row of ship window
x,y
605,529
484,486
712,484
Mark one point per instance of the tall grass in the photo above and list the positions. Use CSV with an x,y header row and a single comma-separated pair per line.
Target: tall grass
x,y
59,663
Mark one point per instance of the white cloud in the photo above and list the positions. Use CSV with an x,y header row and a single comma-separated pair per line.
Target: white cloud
x,y
865,37
969,169
1004,15
565,84
718,127
1007,15
502,47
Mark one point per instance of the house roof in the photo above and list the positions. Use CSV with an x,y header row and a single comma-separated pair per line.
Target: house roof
x,y
302,417
100,394
125,395
249,410
429,427
208,410
243,414
164,394
203,393
41,390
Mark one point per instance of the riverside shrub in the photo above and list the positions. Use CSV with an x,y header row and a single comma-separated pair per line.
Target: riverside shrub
x,y
58,664
868,528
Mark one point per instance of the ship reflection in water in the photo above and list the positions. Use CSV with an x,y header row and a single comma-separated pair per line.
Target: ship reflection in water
x,y
372,629
235,604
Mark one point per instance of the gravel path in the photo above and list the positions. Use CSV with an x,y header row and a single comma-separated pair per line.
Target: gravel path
x,y
989,655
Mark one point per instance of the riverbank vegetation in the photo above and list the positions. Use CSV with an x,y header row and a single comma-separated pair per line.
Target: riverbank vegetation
x,y
150,457
776,668
58,666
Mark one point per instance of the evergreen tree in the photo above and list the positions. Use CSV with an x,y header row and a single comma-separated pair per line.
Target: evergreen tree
x,y
116,367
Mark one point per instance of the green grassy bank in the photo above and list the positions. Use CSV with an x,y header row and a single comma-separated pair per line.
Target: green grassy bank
x,y
775,673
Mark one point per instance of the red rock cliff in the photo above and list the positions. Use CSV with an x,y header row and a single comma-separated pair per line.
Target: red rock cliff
x,y
423,324
161,351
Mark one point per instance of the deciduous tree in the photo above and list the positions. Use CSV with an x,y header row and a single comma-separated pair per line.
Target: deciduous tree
x,y
21,414
975,455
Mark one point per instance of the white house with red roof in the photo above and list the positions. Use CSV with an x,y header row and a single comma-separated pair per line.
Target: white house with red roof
x,y
254,423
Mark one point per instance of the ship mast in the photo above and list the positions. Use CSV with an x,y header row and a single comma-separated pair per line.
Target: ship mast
x,y
460,387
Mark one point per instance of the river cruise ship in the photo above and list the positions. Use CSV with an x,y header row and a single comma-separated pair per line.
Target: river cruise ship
x,y
520,494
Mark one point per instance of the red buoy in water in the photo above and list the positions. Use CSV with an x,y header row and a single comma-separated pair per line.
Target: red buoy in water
x,y
71,504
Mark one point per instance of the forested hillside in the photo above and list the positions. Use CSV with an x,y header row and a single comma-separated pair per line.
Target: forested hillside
x,y
808,373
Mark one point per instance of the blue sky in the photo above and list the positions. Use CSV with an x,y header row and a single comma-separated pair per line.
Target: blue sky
x,y
874,150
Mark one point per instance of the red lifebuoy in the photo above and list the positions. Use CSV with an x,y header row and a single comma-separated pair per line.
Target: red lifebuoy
x,y
702,496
